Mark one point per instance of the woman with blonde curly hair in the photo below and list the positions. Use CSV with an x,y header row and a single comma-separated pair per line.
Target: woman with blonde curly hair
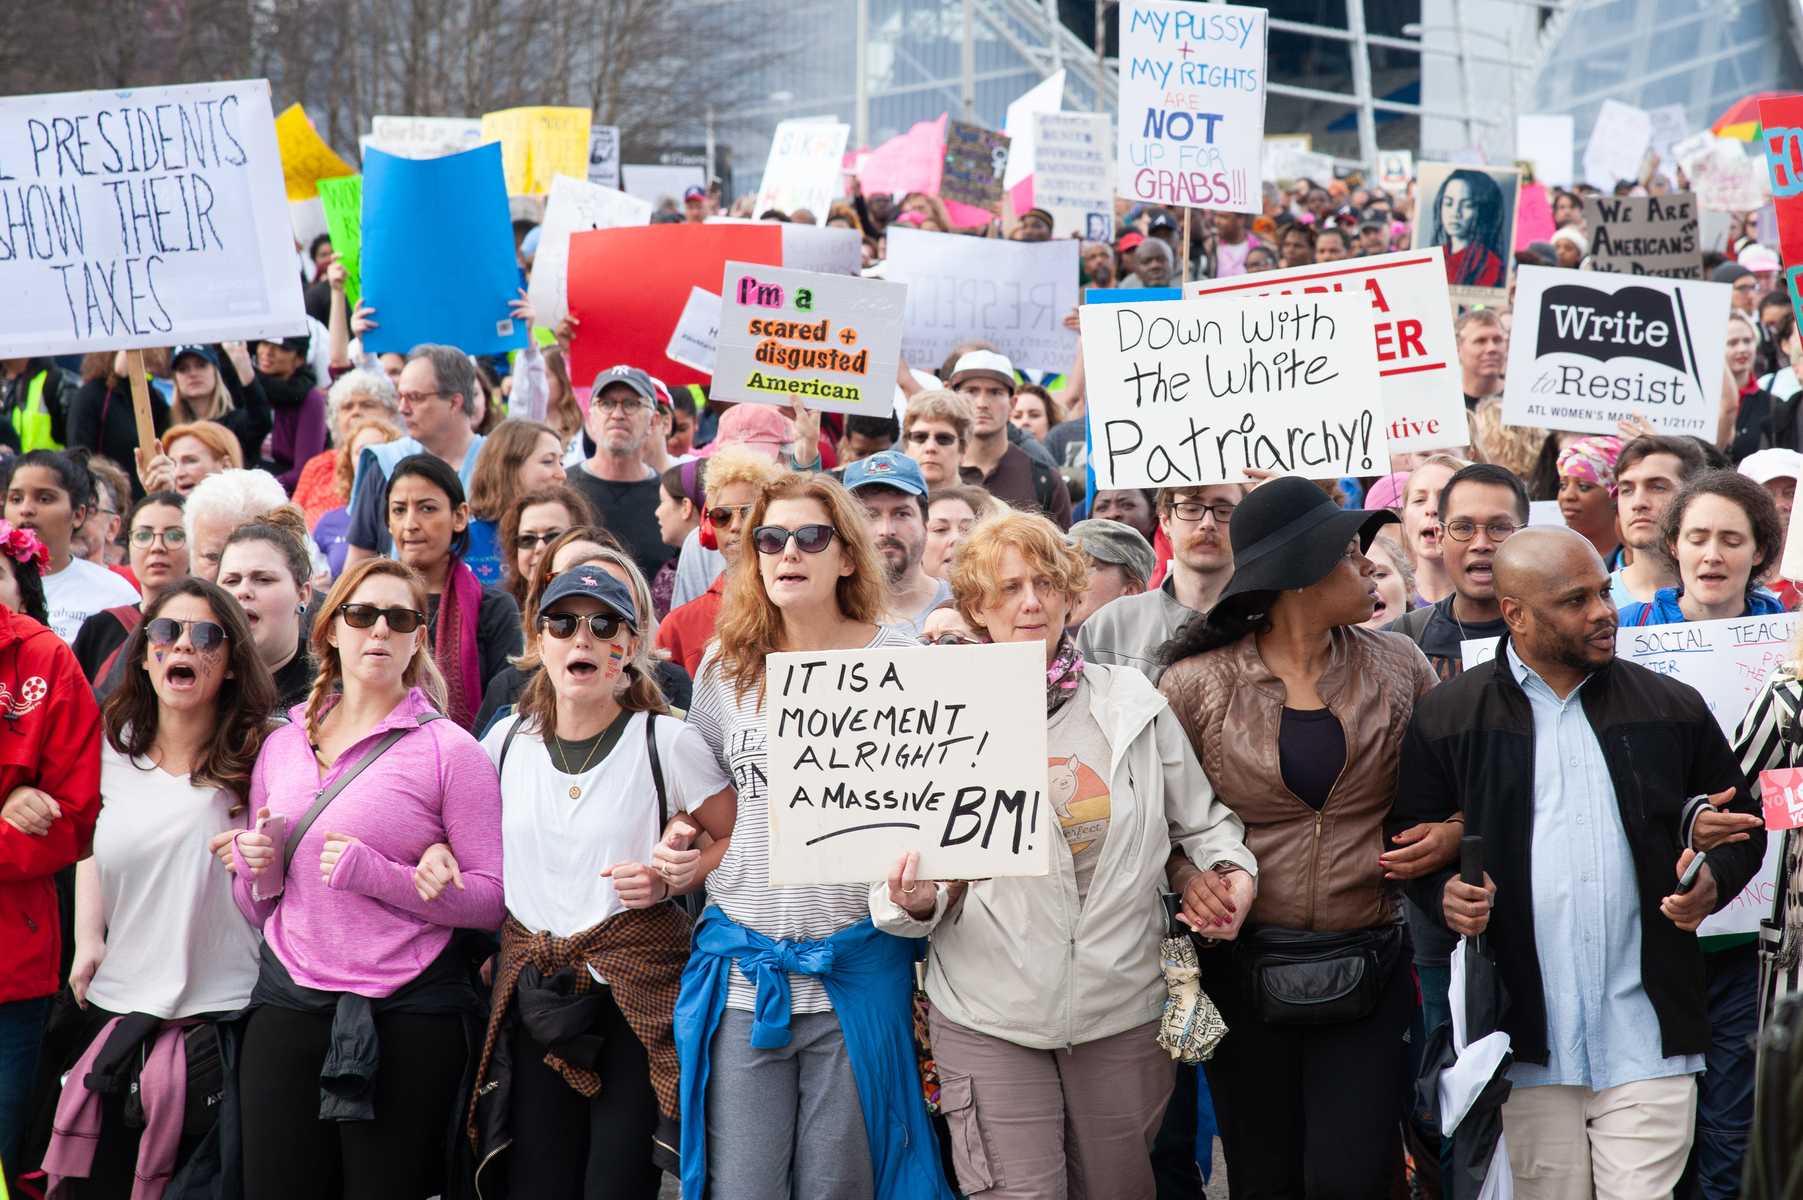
x,y
1059,1011
1513,446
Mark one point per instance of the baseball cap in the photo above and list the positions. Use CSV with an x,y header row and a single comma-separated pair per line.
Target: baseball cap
x,y
891,468
1758,258
663,392
206,352
529,243
1374,220
1129,241
632,377
1162,221
591,581
694,192
1043,215
1763,466
1112,542
759,425
1728,272
984,364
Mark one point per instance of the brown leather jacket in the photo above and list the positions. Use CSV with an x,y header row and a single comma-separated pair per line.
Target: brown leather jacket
x,y
1316,871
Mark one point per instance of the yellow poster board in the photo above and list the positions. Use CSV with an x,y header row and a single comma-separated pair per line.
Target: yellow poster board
x,y
537,144
305,158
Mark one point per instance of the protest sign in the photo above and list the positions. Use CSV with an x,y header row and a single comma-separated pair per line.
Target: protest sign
x,y
422,137
879,751
832,339
823,250
343,202
308,219
305,158
803,168
651,181
1617,143
1417,358
1589,351
1645,235
1012,294
1277,147
604,155
697,338
1394,169
1190,392
1781,795
1017,123
1782,122
1670,125
1790,566
1545,139
574,205
1721,175
909,162
1074,176
148,217
1192,104
976,159
537,144
1470,213
1534,216
438,255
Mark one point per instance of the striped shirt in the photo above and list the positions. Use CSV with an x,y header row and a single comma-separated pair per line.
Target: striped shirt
x,y
734,727
1760,738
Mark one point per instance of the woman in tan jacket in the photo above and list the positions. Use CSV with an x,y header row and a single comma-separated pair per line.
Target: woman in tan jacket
x,y
1297,714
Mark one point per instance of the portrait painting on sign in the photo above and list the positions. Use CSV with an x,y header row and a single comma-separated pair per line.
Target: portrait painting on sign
x,y
1470,212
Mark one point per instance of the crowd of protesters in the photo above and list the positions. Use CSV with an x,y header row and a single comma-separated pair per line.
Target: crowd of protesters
x,y
382,775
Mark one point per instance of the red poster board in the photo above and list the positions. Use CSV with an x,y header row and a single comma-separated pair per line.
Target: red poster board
x,y
1781,121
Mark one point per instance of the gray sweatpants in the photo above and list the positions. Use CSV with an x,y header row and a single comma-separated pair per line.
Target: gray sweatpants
x,y
785,1122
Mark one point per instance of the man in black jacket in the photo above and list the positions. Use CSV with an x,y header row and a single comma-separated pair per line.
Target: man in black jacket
x,y
1578,772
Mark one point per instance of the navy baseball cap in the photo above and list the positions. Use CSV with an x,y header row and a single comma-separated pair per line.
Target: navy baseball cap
x,y
206,352
891,468
591,581
694,192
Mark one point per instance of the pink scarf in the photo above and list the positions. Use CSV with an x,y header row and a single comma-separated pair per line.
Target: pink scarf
x,y
163,1084
454,643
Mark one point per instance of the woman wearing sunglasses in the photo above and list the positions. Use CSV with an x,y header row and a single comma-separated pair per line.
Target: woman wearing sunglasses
x,y
266,571
585,804
734,477
474,628
519,456
358,958
809,1113
158,548
935,431
156,932
680,505
533,521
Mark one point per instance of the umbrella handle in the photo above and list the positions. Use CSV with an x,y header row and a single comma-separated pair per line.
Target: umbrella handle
x,y
1471,860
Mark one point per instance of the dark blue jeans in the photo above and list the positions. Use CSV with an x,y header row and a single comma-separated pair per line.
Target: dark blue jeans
x,y
1725,1092
21,1034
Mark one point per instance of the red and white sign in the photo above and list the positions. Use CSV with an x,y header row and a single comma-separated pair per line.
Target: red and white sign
x,y
1417,361
1781,792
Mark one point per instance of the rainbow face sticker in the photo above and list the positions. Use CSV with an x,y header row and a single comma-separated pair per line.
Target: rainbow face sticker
x,y
616,655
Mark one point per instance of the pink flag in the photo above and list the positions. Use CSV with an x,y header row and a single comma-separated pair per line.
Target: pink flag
x,y
909,162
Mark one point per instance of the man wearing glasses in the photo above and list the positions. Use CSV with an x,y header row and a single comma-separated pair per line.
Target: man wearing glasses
x,y
619,483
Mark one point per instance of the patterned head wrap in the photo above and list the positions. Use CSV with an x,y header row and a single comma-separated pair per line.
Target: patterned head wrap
x,y
1592,460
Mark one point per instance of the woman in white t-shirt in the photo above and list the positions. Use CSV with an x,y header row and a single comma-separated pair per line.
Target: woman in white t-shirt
x,y
156,932
52,494
579,1076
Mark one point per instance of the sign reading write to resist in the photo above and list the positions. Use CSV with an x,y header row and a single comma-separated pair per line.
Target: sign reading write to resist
x,y
1411,325
877,751
1187,392
834,340
151,217
1192,104
1584,355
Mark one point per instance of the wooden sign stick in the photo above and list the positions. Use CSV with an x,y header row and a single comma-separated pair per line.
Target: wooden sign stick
x,y
140,405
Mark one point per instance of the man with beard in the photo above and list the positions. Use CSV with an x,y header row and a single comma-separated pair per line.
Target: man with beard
x,y
620,485
894,495
1576,769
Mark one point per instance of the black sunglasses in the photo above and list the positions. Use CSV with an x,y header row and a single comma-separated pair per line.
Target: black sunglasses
x,y
364,616
602,626
531,541
202,635
809,539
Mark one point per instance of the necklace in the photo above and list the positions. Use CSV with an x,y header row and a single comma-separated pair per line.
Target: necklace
x,y
575,791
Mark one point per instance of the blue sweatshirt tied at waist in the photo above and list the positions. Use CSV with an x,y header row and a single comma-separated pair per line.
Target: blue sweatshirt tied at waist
x,y
867,976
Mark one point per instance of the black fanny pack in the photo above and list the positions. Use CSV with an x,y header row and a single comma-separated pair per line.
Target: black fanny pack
x,y
1291,977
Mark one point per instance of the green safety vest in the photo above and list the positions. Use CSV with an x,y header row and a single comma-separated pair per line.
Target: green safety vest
x,y
30,420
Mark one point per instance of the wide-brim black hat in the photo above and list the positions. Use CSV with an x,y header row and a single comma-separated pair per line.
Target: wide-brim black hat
x,y
1288,533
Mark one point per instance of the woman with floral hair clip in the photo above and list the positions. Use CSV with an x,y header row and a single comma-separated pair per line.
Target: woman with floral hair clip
x,y
22,559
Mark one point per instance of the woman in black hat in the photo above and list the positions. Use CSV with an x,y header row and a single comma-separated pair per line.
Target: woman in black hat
x,y
1297,713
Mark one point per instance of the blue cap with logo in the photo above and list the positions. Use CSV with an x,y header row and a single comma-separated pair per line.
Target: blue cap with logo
x,y
891,468
591,581
206,352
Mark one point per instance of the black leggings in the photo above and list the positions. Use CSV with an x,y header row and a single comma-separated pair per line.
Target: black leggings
x,y
569,1147
1309,1110
290,1154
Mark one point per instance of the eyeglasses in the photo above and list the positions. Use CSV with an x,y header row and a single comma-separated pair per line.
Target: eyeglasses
x,y
723,515
921,437
624,404
364,616
204,636
1747,285
172,537
809,539
1464,531
603,626
1192,510
421,397
948,639
532,541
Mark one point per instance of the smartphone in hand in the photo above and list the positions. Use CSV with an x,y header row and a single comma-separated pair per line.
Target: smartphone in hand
x,y
271,882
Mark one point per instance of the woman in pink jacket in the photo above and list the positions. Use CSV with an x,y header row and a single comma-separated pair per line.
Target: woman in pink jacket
x,y
355,1054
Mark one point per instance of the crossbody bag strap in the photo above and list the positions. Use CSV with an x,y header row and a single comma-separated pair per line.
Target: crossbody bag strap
x,y
507,742
338,785
657,773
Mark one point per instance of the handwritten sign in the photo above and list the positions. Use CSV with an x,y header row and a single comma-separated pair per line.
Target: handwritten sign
x,y
873,752
422,137
1189,392
305,158
976,159
1721,174
1645,235
803,168
1192,104
343,203
1590,349
1012,294
603,156
834,340
574,205
1073,177
697,338
1618,141
151,217
1417,358
538,144
1045,96
1782,122
1781,795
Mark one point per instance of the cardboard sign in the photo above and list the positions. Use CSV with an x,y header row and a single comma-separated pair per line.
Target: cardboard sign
x,y
1192,104
1782,122
422,137
1590,349
976,160
305,158
1011,294
343,203
696,341
1781,795
909,162
438,256
1190,392
1417,360
834,340
875,752
538,144
1394,169
1469,211
1073,178
151,217
1545,139
1618,141
1017,123
574,205
803,168
1645,235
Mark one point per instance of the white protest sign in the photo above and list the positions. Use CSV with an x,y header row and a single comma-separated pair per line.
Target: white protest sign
x,y
1723,176
150,217
1017,123
1188,392
1287,158
1395,168
1278,145
1618,140
803,168
1592,348
422,137
1545,139
649,181
1011,294
695,342
832,339
1074,176
604,155
1192,104
874,752
574,205
827,250
1670,126
1417,358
